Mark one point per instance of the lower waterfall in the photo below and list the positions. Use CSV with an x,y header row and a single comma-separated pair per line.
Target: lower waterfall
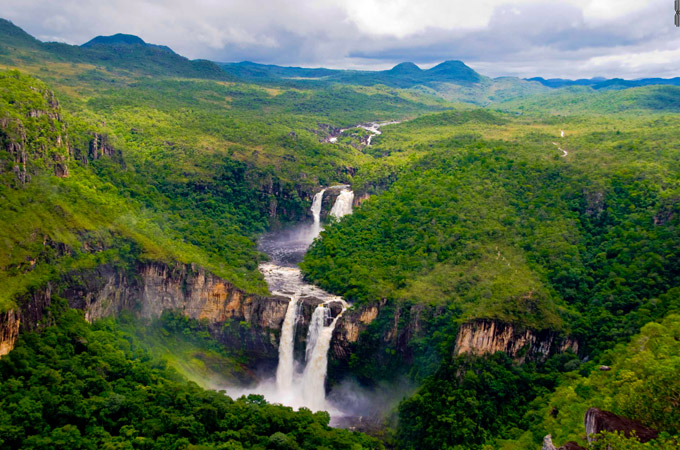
x,y
302,383
286,367
314,375
318,321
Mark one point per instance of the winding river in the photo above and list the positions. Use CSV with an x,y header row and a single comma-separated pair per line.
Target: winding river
x,y
371,127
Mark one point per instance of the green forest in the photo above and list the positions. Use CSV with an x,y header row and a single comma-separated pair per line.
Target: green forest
x,y
555,212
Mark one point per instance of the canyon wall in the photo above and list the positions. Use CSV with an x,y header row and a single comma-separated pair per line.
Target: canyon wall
x,y
399,325
484,336
252,322
237,319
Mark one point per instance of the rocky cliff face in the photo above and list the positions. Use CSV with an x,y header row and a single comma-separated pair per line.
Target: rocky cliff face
x,y
485,336
399,325
9,332
348,329
238,319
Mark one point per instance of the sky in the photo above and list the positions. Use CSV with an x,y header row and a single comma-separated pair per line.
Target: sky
x,y
549,38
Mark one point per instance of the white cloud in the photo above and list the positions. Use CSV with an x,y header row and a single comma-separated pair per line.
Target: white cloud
x,y
524,37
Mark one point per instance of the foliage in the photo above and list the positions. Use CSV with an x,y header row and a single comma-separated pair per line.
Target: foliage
x,y
81,387
469,401
642,385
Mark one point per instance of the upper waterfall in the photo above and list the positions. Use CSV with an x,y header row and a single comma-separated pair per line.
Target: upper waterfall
x,y
316,212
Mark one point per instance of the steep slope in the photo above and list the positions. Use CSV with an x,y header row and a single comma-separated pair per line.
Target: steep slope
x,y
636,380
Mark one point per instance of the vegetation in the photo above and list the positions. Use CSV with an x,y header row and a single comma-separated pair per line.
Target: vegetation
x,y
642,384
81,387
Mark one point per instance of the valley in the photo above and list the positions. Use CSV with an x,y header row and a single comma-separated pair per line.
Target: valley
x,y
208,255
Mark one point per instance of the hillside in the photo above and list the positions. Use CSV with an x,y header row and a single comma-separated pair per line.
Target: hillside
x,y
122,54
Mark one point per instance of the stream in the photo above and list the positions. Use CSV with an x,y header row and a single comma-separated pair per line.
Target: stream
x,y
372,127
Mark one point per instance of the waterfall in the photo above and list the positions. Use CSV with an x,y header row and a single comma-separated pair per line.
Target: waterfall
x,y
286,367
316,324
314,375
292,387
343,204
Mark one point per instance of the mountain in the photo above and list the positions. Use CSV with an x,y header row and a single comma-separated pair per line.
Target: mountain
x,y
453,71
604,83
116,39
405,68
403,75
120,52
122,40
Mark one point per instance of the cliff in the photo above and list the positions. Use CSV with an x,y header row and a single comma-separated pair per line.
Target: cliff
x,y
484,336
235,318
396,326
9,331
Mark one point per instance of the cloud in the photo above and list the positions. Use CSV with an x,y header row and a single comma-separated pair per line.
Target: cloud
x,y
566,38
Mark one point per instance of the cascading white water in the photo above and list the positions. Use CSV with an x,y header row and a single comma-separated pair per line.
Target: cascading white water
x,y
319,317
343,204
286,367
283,277
314,375
316,212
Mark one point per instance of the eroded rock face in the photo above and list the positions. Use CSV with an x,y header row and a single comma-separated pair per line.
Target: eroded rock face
x,y
597,421
485,336
548,445
9,332
237,319
360,198
348,328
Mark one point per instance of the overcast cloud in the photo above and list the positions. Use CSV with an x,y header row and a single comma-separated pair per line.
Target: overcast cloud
x,y
550,38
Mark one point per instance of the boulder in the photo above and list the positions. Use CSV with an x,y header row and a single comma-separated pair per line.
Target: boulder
x,y
597,421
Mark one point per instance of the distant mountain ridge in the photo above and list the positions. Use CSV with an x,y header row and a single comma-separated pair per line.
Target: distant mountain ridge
x,y
451,80
121,39
120,52
403,75
605,83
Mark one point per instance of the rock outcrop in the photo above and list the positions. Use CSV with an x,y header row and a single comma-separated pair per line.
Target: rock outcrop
x,y
348,329
9,331
360,198
485,336
597,421
548,445
237,319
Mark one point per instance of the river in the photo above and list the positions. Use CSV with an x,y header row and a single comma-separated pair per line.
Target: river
x,y
301,383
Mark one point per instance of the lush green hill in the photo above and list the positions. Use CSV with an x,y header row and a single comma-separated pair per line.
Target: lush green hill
x,y
583,100
109,54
